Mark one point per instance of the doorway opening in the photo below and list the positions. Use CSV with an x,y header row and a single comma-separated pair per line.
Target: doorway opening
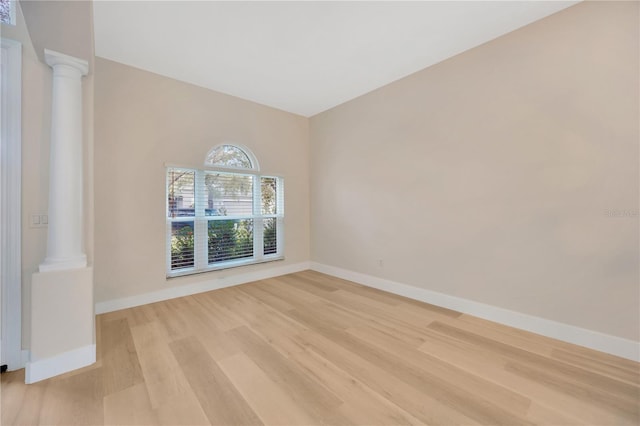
x,y
10,206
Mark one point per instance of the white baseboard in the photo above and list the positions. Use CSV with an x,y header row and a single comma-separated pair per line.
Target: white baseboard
x,y
199,287
618,346
62,363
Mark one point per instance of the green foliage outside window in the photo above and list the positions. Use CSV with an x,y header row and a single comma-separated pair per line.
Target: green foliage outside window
x,y
230,239
182,246
270,243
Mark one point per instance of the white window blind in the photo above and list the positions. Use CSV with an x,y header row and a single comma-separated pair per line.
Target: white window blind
x,y
222,219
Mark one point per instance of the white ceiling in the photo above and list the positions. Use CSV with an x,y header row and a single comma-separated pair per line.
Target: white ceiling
x,y
301,57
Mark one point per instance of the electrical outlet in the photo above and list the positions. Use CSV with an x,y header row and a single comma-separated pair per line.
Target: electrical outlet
x,y
38,220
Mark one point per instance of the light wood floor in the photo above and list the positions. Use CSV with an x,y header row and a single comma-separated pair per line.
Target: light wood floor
x,y
309,349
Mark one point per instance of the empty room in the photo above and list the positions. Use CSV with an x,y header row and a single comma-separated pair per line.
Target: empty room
x,y
320,212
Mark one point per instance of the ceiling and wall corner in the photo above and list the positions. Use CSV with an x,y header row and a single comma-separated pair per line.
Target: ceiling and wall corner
x,y
44,19
301,57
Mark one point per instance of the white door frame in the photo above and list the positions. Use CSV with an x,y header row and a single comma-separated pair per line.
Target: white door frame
x,y
10,205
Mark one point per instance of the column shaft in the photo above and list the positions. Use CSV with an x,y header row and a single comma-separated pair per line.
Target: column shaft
x,y
65,248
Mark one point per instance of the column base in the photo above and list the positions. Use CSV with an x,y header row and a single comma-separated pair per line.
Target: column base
x,y
59,264
62,322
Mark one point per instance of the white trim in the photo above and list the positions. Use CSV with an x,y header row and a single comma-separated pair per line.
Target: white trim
x,y
76,262
209,168
53,58
13,11
618,346
10,188
59,364
228,264
199,287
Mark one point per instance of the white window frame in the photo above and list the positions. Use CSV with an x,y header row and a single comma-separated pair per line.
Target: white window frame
x,y
200,221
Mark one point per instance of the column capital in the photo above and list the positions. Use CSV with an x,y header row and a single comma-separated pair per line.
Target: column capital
x,y
53,58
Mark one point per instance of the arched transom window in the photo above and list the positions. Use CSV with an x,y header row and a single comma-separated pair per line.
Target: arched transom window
x,y
224,215
231,156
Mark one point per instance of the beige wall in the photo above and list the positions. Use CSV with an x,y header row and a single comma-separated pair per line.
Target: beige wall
x,y
63,26
142,121
488,176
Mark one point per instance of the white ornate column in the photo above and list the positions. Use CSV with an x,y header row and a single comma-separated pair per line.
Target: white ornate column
x,y
65,248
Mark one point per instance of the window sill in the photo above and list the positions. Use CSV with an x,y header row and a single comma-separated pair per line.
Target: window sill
x,y
226,265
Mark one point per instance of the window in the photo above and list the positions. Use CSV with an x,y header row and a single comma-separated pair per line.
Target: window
x,y
7,11
231,156
220,218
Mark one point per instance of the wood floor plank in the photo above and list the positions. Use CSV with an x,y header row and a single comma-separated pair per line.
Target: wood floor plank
x,y
399,328
543,415
163,376
360,308
310,395
443,371
258,293
422,406
624,390
592,387
361,404
380,296
447,393
306,349
320,289
279,331
183,410
272,403
219,399
74,400
613,370
545,345
291,294
487,364
129,406
119,356
21,404
218,315
506,335
626,405
212,338
406,321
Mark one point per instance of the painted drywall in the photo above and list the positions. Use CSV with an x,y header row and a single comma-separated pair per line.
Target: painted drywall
x,y
144,121
36,125
56,328
63,26
506,175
